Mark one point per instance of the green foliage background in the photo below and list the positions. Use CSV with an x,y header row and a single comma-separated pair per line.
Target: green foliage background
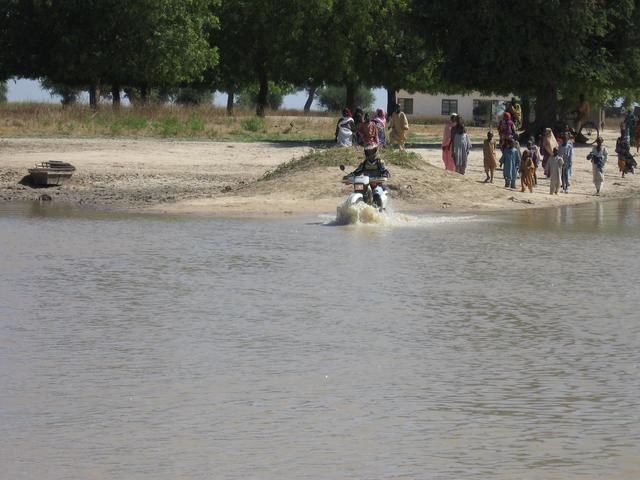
x,y
334,98
544,51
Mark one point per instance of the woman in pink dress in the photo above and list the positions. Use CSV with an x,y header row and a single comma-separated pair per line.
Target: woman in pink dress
x,y
447,150
381,123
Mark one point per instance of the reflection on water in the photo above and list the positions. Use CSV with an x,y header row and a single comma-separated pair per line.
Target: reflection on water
x,y
463,347
615,217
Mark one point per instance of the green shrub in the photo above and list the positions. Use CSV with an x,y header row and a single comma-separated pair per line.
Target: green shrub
x,y
169,126
402,159
100,118
133,122
334,98
195,123
62,128
128,123
252,124
116,128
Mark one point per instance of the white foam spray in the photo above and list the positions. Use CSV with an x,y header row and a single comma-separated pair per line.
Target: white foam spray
x,y
363,214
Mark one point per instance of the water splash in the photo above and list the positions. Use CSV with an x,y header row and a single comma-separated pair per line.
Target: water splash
x,y
359,213
363,214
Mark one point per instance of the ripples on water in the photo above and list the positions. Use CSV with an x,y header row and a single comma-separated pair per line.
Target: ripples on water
x,y
160,348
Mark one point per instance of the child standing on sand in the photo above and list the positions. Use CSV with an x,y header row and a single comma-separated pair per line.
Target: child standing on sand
x,y
527,170
565,150
489,151
535,156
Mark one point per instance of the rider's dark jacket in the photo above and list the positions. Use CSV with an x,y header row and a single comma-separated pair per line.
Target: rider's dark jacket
x,y
373,167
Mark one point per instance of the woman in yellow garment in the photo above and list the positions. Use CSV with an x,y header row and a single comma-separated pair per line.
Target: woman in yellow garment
x,y
399,126
527,170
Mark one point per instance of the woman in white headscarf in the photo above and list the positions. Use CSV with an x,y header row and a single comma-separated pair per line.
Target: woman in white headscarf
x,y
344,129
549,142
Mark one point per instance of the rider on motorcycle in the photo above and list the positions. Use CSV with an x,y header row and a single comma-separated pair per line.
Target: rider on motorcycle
x,y
373,166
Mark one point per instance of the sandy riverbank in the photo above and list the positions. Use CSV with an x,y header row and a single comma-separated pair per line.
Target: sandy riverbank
x,y
221,178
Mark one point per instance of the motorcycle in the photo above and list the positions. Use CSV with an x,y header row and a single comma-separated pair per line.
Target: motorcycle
x,y
369,190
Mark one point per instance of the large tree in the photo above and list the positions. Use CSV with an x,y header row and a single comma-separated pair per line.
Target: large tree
x,y
400,57
344,42
108,42
265,41
542,49
368,43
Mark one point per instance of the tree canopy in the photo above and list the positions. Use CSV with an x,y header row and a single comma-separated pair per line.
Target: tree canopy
x,y
108,42
544,51
334,98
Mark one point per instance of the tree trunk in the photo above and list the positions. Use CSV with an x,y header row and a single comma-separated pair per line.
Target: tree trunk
x,y
94,95
144,94
526,111
391,100
546,106
115,93
351,96
263,93
230,98
311,91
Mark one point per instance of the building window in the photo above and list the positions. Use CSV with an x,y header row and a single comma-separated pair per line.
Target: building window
x,y
406,104
449,106
482,111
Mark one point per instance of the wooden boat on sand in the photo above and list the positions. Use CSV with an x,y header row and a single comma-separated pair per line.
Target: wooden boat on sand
x,y
50,173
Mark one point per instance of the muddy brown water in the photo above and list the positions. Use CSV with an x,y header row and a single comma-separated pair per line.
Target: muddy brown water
x,y
437,347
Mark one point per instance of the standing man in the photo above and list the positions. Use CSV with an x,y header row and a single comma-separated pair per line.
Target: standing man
x,y
598,157
509,163
554,164
565,150
399,126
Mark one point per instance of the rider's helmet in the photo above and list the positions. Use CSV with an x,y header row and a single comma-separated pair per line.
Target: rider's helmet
x,y
370,152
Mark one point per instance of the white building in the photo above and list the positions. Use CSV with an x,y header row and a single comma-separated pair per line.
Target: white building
x,y
473,107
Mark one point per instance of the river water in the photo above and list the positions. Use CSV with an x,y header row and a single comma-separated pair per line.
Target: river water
x,y
437,347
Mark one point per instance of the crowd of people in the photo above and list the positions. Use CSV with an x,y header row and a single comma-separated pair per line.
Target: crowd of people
x,y
369,129
553,154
